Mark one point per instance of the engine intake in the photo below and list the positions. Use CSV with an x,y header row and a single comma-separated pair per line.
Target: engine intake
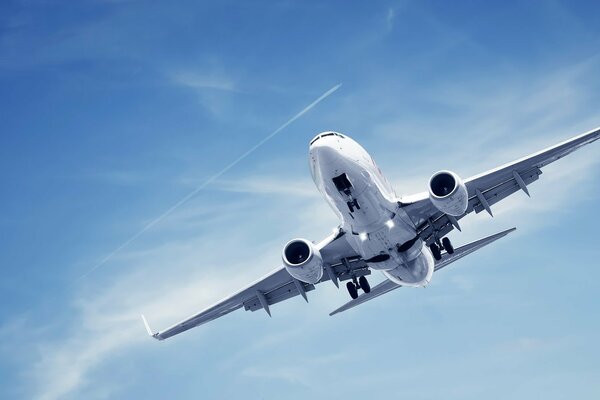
x,y
448,193
303,261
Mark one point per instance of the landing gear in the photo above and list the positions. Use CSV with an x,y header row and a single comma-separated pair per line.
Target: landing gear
x,y
447,245
352,205
438,246
360,283
435,250
352,290
364,284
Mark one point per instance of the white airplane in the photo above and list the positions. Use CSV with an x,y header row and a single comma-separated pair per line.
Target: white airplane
x,y
403,237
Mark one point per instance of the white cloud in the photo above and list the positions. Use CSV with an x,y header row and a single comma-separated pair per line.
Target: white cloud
x,y
107,320
286,186
389,19
201,80
303,371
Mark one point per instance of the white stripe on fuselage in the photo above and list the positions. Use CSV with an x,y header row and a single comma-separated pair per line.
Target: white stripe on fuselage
x,y
368,210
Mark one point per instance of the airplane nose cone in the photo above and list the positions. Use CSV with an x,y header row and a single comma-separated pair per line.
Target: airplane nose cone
x,y
325,150
324,153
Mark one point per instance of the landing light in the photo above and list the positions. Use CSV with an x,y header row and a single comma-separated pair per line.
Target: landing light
x,y
363,236
390,224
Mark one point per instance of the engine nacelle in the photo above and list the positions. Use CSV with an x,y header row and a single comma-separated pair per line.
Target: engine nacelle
x,y
448,193
303,261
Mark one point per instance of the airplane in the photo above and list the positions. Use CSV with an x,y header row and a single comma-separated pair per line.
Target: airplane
x,y
405,238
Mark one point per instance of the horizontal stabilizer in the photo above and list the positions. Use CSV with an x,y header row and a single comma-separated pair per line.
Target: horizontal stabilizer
x,y
388,286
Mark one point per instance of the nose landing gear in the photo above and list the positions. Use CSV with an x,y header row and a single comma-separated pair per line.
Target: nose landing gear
x,y
361,283
353,205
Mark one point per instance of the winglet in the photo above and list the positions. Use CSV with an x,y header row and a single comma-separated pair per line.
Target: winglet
x,y
149,330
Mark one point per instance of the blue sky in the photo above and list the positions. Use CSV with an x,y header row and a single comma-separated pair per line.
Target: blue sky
x,y
113,111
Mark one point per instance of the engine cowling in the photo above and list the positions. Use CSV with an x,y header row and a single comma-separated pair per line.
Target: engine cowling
x,y
448,193
303,260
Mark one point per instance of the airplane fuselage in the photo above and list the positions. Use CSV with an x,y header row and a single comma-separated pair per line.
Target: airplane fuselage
x,y
357,191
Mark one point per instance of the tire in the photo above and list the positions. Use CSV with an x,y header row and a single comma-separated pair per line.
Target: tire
x,y
435,251
364,284
447,245
352,290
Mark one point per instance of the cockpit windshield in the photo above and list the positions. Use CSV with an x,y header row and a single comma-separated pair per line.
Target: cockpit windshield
x,y
322,135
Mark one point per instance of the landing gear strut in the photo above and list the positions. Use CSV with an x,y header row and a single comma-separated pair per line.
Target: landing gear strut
x,y
360,283
353,205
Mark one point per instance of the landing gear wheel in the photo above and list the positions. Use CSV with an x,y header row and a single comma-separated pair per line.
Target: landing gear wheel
x,y
435,250
352,290
447,245
364,284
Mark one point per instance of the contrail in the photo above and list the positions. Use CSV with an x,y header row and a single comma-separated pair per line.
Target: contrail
x,y
211,179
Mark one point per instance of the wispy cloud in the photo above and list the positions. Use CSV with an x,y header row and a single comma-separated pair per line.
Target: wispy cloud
x,y
286,186
199,80
107,323
389,19
211,179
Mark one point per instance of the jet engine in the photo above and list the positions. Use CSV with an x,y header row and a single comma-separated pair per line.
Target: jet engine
x,y
303,261
448,193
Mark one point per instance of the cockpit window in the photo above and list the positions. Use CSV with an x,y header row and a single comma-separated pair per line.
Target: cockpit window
x,y
327,134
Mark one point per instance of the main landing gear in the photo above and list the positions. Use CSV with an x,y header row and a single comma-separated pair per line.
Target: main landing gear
x,y
438,246
361,283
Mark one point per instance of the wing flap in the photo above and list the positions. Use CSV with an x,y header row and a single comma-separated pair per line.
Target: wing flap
x,y
494,194
494,185
277,286
354,267
277,295
226,305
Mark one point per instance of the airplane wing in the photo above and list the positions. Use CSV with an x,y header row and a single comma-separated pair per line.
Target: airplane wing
x,y
387,285
490,187
277,286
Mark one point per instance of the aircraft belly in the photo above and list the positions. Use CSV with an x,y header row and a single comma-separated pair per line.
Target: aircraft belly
x,y
416,272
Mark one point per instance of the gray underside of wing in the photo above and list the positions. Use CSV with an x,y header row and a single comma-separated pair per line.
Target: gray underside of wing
x,y
225,306
490,187
278,286
387,285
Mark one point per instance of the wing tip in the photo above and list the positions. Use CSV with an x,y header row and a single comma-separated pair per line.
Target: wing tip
x,y
155,335
506,232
